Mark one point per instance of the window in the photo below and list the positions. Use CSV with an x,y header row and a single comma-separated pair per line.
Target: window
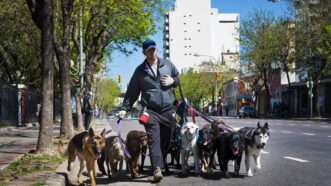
x,y
198,23
185,30
198,30
184,23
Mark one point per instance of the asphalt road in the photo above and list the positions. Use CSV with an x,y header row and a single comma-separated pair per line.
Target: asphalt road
x,y
298,153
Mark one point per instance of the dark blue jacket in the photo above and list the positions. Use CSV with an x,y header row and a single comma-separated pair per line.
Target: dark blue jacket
x,y
154,96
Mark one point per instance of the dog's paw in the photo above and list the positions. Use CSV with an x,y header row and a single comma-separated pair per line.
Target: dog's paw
x,y
258,167
249,173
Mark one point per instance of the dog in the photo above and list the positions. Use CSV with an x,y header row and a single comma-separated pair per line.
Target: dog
x,y
174,149
189,136
136,143
230,146
88,147
114,155
207,148
255,140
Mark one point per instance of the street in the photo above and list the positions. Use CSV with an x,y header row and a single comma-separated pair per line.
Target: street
x,y
297,154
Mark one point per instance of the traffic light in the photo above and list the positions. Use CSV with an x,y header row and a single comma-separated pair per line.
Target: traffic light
x,y
119,79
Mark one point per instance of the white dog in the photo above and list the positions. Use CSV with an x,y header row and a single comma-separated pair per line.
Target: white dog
x,y
189,134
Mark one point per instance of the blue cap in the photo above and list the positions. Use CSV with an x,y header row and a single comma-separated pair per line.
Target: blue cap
x,y
148,44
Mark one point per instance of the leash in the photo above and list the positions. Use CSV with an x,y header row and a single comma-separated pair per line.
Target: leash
x,y
123,146
206,118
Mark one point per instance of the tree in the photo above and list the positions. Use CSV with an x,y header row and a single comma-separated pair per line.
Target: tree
x,y
110,25
62,38
259,44
312,40
197,86
107,91
41,12
19,45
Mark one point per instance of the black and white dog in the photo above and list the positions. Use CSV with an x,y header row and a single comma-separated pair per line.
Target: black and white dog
x,y
255,140
230,146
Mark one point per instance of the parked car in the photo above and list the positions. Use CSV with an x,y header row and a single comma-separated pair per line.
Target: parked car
x,y
247,111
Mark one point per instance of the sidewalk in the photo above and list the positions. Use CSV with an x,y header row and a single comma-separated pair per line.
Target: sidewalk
x,y
15,142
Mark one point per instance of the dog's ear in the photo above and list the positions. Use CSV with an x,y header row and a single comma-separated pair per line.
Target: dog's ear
x,y
266,125
91,132
258,125
103,132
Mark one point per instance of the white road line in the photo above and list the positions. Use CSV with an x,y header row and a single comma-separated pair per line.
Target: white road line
x,y
308,134
324,126
286,132
329,136
265,152
307,125
296,159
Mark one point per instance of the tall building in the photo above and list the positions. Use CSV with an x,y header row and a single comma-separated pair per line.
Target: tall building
x,y
195,32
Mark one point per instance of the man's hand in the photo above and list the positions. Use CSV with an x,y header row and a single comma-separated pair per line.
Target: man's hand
x,y
121,114
167,80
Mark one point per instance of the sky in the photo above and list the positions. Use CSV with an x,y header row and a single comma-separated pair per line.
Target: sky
x,y
125,65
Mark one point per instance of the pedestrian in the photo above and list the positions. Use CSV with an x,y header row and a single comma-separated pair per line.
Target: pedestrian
x,y
87,109
154,79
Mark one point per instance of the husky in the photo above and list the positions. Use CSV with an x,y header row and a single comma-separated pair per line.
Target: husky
x,y
255,140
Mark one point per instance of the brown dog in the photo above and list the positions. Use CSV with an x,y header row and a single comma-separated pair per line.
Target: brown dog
x,y
88,147
136,143
114,155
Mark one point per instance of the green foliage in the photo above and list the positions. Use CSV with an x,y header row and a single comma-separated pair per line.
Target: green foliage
x,y
197,86
19,45
39,183
107,91
110,25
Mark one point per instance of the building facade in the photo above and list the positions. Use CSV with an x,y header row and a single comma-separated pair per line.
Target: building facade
x,y
196,32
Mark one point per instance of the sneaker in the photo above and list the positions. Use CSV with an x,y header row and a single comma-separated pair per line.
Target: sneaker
x,y
157,175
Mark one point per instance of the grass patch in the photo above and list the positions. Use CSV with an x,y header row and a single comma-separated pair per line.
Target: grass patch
x,y
39,183
29,164
3,125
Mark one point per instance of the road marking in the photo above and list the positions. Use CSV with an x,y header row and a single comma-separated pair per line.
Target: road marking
x,y
329,136
307,125
324,126
308,134
265,152
296,159
286,132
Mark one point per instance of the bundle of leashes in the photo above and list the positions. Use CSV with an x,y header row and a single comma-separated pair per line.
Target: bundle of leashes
x,y
210,120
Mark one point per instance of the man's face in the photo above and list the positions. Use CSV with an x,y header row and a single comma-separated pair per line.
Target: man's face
x,y
151,54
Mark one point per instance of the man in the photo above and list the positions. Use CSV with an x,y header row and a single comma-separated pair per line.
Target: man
x,y
154,79
87,109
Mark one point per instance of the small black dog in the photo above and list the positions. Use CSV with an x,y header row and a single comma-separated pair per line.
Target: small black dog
x,y
207,147
230,146
174,149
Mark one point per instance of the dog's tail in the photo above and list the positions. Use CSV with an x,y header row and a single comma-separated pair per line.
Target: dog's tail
x,y
62,148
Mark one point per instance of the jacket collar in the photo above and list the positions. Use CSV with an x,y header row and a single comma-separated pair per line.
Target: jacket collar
x,y
147,69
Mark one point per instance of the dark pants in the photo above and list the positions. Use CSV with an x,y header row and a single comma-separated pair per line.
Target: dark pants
x,y
159,129
87,119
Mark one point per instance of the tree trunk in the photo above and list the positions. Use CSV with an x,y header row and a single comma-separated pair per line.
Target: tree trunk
x,y
66,129
80,126
265,79
45,137
64,55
